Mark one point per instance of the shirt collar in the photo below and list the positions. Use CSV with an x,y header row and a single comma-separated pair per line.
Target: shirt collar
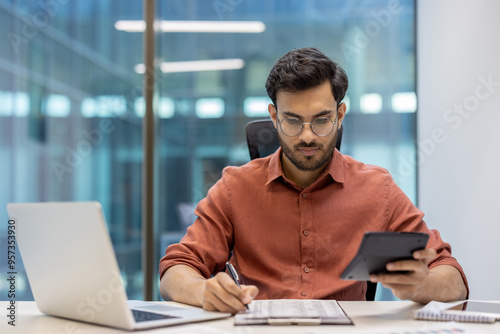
x,y
335,169
275,169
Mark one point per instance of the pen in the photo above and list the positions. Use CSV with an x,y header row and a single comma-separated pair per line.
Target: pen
x,y
234,275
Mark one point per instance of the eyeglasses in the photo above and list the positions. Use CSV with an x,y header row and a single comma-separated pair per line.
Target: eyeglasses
x,y
321,126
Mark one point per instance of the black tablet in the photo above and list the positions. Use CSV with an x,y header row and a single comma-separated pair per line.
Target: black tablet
x,y
379,248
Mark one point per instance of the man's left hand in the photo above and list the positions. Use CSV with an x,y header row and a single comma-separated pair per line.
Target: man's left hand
x,y
404,285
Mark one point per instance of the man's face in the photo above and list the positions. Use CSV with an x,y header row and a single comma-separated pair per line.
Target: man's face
x,y
307,151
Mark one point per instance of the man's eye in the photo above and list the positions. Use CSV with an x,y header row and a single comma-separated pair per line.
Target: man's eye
x,y
321,121
294,121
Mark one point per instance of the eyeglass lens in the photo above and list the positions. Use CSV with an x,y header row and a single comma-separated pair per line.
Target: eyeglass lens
x,y
322,126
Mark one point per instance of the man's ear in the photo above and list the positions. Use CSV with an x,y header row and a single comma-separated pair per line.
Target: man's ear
x,y
272,112
341,113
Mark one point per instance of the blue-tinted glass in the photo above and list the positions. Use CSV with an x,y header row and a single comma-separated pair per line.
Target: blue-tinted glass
x,y
374,42
68,125
71,106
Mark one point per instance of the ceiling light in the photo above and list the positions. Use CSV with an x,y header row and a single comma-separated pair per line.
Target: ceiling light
x,y
194,26
405,102
370,103
197,66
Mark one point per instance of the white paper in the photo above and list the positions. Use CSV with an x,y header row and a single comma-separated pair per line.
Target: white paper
x,y
322,310
295,308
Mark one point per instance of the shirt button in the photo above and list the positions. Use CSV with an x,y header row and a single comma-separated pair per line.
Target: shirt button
x,y
306,232
304,195
306,269
304,294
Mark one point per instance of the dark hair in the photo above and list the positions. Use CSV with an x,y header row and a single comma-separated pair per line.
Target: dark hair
x,y
306,68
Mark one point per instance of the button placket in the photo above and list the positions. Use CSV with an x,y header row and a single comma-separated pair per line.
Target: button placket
x,y
306,243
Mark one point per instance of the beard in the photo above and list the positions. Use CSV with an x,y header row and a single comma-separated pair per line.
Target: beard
x,y
309,163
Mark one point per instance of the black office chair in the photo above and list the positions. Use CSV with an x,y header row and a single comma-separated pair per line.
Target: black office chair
x,y
262,140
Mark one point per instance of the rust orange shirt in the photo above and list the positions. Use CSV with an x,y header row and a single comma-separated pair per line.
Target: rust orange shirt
x,y
292,242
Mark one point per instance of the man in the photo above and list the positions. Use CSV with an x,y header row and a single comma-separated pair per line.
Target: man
x,y
293,221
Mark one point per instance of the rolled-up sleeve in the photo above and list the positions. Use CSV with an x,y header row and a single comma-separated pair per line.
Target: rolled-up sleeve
x,y
207,242
404,216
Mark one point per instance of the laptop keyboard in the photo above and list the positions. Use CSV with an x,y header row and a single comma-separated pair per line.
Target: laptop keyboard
x,y
141,316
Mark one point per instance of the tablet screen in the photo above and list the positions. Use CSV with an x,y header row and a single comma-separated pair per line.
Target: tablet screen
x,y
483,307
492,308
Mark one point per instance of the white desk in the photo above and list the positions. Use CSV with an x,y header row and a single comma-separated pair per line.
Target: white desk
x,y
369,317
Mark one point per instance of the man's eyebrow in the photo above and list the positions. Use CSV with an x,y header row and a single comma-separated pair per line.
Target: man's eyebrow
x,y
320,114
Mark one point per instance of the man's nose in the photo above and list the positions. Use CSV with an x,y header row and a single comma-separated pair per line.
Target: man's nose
x,y
307,135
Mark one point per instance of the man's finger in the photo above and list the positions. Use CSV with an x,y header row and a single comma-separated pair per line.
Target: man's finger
x,y
426,255
231,287
405,265
222,292
407,279
215,303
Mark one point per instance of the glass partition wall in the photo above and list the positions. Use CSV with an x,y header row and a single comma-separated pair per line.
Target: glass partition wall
x,y
70,130
72,105
203,113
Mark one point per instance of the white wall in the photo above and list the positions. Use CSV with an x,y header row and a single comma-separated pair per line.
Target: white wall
x,y
459,169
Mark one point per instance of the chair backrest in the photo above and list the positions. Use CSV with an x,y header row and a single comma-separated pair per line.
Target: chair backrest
x,y
262,138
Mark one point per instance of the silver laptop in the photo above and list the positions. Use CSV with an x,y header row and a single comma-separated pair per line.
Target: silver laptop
x,y
73,272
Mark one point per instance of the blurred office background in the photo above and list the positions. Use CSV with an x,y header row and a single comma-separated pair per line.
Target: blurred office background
x,y
72,109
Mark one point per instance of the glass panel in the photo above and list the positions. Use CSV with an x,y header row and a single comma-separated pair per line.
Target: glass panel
x,y
373,40
71,100
68,125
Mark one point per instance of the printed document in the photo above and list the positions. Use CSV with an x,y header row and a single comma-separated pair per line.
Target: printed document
x,y
293,311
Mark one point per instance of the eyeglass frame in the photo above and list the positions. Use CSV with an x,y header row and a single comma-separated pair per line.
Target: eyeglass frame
x,y
310,123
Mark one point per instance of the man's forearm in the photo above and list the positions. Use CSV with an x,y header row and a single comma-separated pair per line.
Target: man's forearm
x,y
444,283
183,284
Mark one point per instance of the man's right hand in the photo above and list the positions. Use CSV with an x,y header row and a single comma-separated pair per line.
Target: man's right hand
x,y
183,284
222,294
